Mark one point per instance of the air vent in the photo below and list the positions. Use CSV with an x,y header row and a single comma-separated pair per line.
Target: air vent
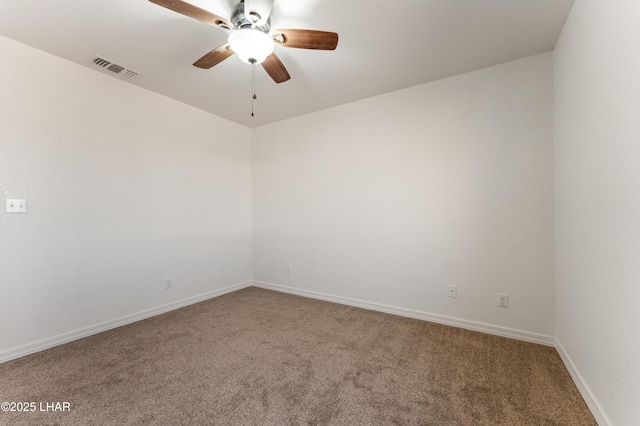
x,y
119,70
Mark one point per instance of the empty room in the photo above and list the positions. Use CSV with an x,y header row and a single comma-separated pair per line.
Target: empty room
x,y
247,212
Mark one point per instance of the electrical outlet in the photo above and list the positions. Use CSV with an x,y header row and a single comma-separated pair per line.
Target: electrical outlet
x,y
287,270
453,291
167,284
503,300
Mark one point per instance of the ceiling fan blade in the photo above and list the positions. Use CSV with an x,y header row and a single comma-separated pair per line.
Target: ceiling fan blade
x,y
214,57
275,69
258,11
194,12
306,39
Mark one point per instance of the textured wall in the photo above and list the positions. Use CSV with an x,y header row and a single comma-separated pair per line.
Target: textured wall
x,y
124,188
597,170
393,198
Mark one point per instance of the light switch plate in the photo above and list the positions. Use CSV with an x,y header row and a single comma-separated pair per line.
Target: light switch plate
x,y
13,205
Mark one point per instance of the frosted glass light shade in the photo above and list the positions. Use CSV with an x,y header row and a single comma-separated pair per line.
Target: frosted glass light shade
x,y
251,44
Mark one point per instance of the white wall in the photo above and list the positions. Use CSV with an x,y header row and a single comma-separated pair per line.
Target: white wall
x,y
391,199
597,170
124,188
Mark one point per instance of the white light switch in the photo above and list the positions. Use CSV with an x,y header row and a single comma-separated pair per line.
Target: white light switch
x,y
12,205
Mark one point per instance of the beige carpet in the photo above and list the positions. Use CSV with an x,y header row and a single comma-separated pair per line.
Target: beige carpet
x,y
257,357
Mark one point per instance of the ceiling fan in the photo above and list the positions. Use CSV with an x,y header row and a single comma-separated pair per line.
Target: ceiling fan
x,y
250,37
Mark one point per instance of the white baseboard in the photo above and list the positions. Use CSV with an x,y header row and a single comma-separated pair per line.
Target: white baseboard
x,y
426,316
585,391
60,339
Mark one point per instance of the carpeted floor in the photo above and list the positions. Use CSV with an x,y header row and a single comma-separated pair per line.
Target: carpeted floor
x,y
257,357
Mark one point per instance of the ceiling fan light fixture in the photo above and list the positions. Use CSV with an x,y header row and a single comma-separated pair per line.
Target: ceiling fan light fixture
x,y
251,45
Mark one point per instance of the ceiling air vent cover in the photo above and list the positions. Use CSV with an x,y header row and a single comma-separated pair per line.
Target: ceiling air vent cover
x,y
119,70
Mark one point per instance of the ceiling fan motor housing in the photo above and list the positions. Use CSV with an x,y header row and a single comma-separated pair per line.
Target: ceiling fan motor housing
x,y
241,21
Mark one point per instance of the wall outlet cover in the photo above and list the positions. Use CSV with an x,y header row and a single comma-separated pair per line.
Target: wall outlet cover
x,y
503,300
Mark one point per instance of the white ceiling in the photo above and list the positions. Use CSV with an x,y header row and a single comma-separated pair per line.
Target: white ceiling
x,y
384,46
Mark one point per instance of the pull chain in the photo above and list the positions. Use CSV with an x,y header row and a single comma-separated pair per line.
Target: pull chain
x,y
253,83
